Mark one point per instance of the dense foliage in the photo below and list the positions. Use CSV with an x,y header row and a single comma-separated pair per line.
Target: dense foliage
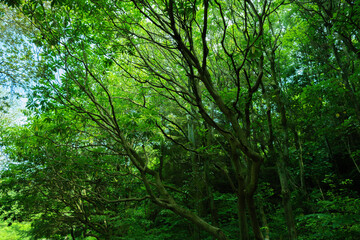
x,y
154,119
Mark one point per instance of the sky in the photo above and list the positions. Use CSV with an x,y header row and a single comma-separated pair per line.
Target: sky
x,y
13,117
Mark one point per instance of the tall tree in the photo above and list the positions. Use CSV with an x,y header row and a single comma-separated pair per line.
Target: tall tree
x,y
171,48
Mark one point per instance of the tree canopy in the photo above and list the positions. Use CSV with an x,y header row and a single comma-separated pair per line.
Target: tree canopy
x,y
212,119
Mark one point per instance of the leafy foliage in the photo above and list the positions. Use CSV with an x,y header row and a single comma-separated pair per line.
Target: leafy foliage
x,y
185,120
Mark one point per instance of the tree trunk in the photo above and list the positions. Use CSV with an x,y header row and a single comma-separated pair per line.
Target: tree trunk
x,y
253,218
264,222
241,207
285,194
298,146
192,217
283,158
195,175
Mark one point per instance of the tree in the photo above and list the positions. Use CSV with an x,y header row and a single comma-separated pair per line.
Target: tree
x,y
66,181
180,54
201,86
